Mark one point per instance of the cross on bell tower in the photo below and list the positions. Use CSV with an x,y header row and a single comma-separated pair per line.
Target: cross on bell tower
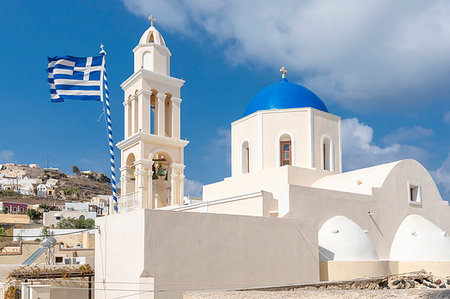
x,y
151,19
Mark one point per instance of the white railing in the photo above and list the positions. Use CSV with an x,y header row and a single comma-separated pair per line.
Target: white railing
x,y
128,202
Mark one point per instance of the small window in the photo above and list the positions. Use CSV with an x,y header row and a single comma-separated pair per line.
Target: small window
x,y
245,158
14,209
285,149
327,154
414,193
58,259
58,217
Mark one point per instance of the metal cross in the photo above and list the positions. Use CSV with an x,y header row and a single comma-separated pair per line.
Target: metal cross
x,y
283,72
152,19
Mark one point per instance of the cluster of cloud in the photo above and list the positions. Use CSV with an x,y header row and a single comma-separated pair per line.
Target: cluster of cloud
x,y
6,156
447,118
358,53
359,149
193,188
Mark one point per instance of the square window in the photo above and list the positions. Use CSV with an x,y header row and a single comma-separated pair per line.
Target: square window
x,y
414,193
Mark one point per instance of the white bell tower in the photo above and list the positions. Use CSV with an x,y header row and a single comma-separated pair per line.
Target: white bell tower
x,y
152,153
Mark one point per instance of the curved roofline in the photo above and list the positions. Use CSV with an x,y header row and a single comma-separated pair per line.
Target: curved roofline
x,y
284,95
370,177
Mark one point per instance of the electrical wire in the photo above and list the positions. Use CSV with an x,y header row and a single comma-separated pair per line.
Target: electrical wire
x,y
50,235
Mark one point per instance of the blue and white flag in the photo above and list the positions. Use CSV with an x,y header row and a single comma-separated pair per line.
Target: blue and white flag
x,y
75,78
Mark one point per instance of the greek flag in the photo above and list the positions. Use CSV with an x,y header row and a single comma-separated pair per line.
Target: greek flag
x,y
75,78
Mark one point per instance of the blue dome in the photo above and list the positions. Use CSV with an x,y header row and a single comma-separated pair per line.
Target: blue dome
x,y
284,95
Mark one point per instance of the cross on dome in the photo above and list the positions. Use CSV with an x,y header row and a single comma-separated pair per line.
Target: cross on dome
x,y
151,19
283,72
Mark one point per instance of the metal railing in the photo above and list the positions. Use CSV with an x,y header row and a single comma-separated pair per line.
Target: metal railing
x,y
128,202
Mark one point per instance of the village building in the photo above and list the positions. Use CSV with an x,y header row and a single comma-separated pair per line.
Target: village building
x,y
288,214
52,218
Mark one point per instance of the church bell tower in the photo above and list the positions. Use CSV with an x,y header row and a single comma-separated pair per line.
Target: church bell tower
x,y
152,153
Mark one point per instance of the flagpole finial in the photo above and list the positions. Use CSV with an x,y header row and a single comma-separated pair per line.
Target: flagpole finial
x,y
151,19
102,51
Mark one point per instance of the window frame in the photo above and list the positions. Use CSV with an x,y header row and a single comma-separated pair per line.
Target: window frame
x,y
282,152
411,185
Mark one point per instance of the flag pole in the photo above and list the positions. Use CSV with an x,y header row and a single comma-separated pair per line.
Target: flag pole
x,y
105,101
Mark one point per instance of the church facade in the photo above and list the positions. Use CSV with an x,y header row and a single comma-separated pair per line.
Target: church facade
x,y
287,215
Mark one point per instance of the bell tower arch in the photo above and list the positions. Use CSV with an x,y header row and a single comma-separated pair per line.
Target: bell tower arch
x,y
152,153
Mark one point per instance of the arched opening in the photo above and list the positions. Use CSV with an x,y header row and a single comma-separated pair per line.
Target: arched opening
x,y
161,180
82,217
285,150
245,157
148,61
153,112
130,169
168,115
129,117
151,38
327,153
136,112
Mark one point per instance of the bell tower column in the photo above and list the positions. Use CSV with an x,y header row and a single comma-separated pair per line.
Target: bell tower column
x,y
160,108
176,103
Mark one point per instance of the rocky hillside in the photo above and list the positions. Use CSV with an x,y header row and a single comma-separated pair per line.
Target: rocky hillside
x,y
26,179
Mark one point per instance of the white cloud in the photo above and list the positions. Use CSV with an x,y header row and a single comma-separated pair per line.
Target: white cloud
x,y
220,146
447,117
359,150
408,134
442,175
193,188
358,53
6,156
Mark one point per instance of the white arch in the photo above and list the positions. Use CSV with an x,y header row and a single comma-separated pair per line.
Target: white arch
x,y
162,151
341,239
277,142
330,154
418,239
243,171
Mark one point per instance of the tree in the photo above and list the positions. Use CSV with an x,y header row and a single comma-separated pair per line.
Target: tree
x,y
34,214
5,210
76,170
104,179
45,233
75,223
47,208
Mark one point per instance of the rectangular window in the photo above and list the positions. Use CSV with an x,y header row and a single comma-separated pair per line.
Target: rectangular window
x,y
286,156
414,193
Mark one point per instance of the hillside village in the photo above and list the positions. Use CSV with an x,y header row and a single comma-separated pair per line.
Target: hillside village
x,y
38,204
32,182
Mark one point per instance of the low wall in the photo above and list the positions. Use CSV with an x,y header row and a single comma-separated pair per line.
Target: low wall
x,y
344,270
197,251
14,218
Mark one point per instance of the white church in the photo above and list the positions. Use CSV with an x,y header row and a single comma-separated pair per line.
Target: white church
x,y
287,215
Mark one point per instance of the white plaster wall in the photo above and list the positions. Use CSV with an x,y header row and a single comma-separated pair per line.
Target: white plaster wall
x,y
388,206
326,124
192,251
244,131
119,252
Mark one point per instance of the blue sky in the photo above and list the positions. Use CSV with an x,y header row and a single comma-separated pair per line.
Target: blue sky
x,y
383,67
